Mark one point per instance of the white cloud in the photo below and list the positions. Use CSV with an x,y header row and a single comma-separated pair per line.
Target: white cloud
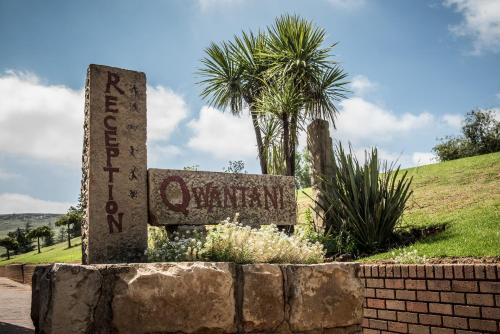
x,y
222,134
347,4
361,120
156,152
46,121
423,158
165,111
19,203
481,22
5,175
453,120
362,85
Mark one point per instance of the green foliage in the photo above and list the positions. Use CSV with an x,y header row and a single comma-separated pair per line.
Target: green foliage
x,y
233,242
481,135
364,202
303,169
10,244
72,220
237,166
40,232
24,242
408,255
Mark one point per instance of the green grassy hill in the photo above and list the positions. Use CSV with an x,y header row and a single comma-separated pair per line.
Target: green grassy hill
x,y
55,253
464,194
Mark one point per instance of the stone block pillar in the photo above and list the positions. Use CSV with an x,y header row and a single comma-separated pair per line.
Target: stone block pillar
x,y
114,166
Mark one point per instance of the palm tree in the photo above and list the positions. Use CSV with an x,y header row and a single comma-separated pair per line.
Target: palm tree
x,y
302,80
233,79
40,232
9,244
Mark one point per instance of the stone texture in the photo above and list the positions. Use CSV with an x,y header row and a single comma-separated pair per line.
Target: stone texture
x,y
64,298
114,166
325,296
183,297
262,297
200,198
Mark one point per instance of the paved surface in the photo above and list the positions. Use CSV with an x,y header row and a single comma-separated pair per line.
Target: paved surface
x,y
15,305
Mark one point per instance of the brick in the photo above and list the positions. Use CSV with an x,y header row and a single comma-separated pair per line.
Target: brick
x,y
429,271
452,297
416,307
418,329
375,283
497,300
455,322
406,295
398,327
440,308
395,305
466,311
389,271
468,271
370,331
412,284
384,293
448,270
464,286
437,330
458,271
483,325
491,312
479,272
438,271
408,317
428,296
365,323
381,271
375,303
412,271
395,283
429,319
374,271
370,293
367,270
493,287
460,331
404,271
387,315
363,282
420,271
369,312
480,299
378,324
397,270
439,285
490,271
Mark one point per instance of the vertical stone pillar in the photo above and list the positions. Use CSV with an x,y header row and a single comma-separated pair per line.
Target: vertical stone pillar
x,y
320,146
114,166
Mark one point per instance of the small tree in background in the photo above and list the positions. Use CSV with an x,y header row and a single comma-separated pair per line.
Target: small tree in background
x,y
24,243
237,166
72,220
10,244
303,169
40,232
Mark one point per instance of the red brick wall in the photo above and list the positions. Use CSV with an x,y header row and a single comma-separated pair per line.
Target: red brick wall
x,y
431,299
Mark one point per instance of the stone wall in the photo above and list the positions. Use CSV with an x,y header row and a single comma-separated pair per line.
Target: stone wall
x,y
21,273
431,299
198,297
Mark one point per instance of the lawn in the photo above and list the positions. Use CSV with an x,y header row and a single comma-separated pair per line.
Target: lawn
x,y
464,194
56,253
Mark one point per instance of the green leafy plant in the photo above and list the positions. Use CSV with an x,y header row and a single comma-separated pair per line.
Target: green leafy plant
x,y
408,255
38,233
365,201
10,244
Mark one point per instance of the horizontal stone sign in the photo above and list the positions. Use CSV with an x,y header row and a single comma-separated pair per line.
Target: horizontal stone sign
x,y
178,197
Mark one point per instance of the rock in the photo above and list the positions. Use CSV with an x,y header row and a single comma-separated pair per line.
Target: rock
x,y
262,297
324,296
64,298
175,297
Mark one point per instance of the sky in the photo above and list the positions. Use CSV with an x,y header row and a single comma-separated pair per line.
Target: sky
x,y
415,68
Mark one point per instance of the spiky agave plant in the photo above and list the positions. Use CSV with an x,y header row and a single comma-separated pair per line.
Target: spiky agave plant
x,y
365,200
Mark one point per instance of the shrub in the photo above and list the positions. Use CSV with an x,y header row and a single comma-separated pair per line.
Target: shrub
x,y
364,202
230,241
409,255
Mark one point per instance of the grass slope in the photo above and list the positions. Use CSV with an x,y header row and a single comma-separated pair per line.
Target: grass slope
x,y
464,194
56,253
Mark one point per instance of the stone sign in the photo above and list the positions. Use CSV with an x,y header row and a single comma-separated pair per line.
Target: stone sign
x,y
178,197
114,182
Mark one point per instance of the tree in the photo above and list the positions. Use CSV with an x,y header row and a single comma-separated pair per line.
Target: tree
x,y
303,169
237,167
72,218
10,244
24,243
302,81
40,232
233,75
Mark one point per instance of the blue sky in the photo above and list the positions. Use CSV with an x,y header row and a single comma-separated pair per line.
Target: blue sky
x,y
416,67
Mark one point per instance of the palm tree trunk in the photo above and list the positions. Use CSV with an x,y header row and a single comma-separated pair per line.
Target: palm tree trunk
x,y
8,254
38,244
293,142
286,142
260,145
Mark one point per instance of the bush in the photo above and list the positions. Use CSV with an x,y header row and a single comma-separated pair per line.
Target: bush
x,y
409,255
364,202
230,241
